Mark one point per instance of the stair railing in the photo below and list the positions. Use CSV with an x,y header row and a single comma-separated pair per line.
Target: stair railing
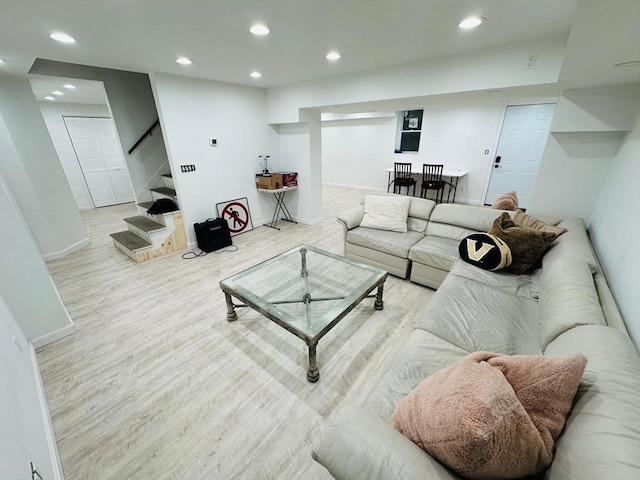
x,y
144,135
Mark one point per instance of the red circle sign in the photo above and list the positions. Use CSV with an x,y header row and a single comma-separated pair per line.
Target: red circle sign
x,y
237,219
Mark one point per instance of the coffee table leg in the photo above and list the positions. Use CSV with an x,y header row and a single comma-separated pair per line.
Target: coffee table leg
x,y
313,374
379,305
231,311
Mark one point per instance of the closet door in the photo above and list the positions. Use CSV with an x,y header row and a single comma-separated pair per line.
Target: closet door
x,y
113,159
100,158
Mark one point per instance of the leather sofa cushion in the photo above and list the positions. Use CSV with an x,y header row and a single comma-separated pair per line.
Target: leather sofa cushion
x,y
474,316
574,243
471,217
357,445
422,354
568,298
436,252
519,285
393,243
601,438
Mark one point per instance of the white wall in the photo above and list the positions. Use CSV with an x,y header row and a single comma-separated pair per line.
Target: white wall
x,y
191,111
26,434
491,68
586,133
572,172
52,114
455,132
33,172
25,282
615,230
133,110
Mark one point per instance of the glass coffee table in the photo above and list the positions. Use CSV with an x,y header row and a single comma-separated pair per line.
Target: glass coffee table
x,y
306,291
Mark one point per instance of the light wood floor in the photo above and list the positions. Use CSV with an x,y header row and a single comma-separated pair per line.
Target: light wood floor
x,y
156,384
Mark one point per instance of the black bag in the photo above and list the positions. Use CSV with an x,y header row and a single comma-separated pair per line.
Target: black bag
x,y
212,234
162,205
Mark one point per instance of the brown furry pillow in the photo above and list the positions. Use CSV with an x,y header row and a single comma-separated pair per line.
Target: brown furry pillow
x,y
523,220
492,416
526,244
508,201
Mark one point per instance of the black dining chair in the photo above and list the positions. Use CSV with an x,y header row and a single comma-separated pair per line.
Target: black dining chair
x,y
432,180
402,178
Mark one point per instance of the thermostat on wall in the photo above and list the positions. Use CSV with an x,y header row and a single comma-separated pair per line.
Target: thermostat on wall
x,y
213,142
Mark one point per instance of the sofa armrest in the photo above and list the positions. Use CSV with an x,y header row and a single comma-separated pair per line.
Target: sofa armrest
x,y
357,444
352,217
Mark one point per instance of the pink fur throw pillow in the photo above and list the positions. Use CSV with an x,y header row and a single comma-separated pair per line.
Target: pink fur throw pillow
x,y
491,416
508,201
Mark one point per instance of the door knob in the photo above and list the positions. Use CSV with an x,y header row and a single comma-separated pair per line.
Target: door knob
x,y
496,166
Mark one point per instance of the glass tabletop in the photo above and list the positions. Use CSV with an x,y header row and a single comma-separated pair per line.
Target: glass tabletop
x,y
305,287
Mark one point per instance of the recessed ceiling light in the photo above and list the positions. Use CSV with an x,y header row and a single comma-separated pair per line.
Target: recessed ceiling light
x,y
69,86
49,97
259,29
57,92
255,75
471,22
63,37
183,61
333,56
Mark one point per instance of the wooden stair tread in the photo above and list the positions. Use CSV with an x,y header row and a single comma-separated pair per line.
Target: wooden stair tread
x,y
130,240
164,191
146,205
168,175
145,224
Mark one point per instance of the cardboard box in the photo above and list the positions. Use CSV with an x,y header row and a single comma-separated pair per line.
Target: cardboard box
x,y
289,179
269,181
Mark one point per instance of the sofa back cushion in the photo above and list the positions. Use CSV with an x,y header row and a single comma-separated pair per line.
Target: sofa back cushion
x,y
450,220
574,243
568,298
419,212
601,438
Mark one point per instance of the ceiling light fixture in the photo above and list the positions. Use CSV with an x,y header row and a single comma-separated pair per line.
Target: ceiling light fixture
x,y
57,92
259,29
333,56
471,22
62,37
69,86
50,98
255,75
2,60
183,61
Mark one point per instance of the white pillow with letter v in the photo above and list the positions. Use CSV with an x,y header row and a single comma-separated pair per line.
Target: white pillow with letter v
x,y
386,212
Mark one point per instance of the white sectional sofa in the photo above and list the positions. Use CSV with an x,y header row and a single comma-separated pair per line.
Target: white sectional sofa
x,y
562,308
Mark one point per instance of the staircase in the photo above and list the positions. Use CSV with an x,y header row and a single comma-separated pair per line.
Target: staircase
x,y
150,236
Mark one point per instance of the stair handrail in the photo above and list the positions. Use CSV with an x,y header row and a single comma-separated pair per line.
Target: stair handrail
x,y
144,135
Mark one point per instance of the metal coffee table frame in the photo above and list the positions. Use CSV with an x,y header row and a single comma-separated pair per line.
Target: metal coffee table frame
x,y
266,308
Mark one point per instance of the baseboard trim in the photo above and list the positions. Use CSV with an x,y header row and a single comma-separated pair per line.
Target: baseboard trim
x,y
48,425
71,248
358,187
51,337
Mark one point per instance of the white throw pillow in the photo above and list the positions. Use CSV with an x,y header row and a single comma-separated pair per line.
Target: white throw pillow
x,y
386,212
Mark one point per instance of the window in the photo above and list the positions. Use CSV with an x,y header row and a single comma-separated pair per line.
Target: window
x,y
409,129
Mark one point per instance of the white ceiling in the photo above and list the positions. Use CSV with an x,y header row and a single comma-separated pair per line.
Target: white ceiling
x,y
86,91
147,35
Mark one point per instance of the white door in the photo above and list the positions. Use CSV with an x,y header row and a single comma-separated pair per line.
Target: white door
x,y
98,151
522,141
113,159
